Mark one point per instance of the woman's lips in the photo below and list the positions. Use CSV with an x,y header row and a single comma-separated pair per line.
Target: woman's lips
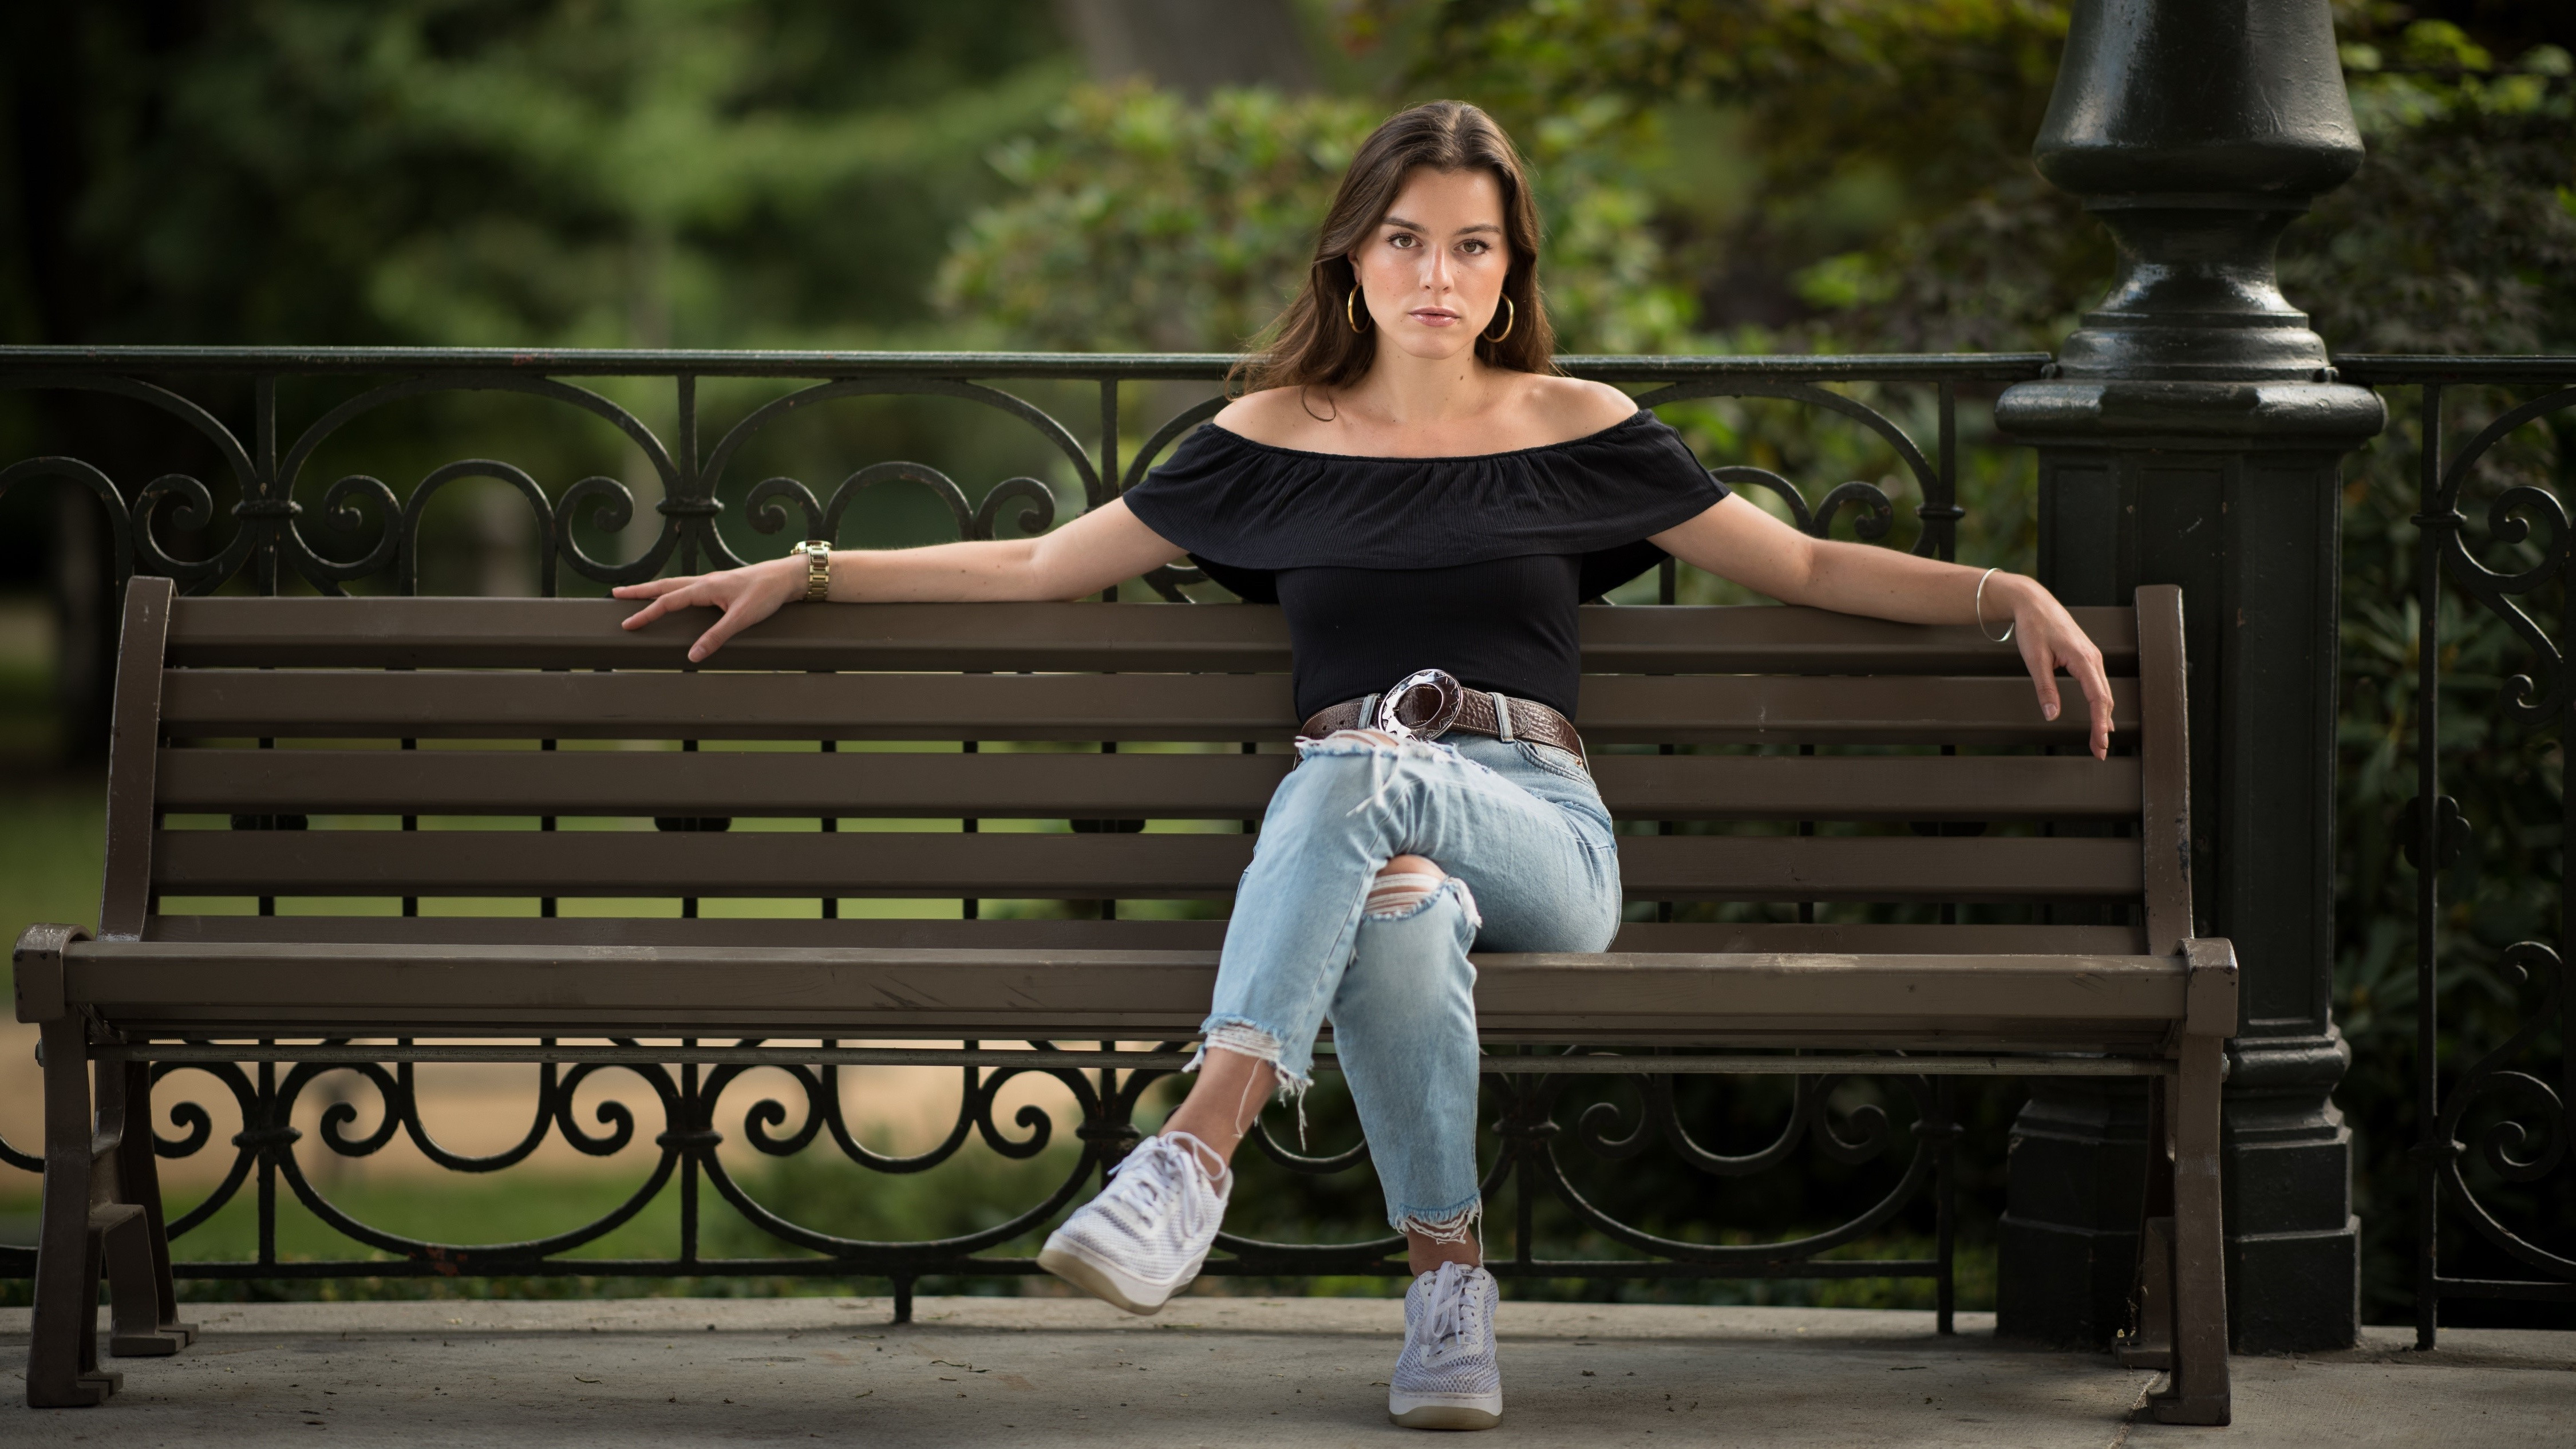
x,y
1434,317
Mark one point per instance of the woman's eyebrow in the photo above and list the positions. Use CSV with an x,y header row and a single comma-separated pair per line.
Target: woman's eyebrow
x,y
1462,231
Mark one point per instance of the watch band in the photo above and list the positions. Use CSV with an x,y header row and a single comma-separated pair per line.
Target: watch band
x,y
818,568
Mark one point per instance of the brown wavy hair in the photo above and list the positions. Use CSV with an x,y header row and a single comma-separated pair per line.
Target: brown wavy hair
x,y
1311,345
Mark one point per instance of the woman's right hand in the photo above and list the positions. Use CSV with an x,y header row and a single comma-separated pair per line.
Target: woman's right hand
x,y
747,595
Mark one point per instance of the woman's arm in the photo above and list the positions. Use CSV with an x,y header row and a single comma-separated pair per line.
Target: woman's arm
x,y
1741,542
1089,554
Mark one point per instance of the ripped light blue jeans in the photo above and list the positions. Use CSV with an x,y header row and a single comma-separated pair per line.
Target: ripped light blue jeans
x,y
1530,864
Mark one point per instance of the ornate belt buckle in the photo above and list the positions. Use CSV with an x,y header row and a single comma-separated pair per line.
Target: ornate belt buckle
x,y
1421,706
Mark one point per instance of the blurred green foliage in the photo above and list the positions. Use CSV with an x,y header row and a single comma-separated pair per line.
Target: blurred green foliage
x,y
1142,221
575,172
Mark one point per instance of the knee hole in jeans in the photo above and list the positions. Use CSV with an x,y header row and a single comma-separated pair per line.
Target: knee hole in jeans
x,y
1402,886
1407,884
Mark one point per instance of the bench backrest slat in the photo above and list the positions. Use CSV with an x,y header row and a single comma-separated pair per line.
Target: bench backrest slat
x,y
771,864
592,782
437,633
664,704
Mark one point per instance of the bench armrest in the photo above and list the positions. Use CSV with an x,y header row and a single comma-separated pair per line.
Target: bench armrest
x,y
2209,991
37,965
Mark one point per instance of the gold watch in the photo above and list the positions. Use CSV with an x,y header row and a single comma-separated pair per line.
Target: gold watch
x,y
817,553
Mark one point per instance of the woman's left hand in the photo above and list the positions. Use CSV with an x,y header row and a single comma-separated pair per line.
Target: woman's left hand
x,y
2051,640
1735,539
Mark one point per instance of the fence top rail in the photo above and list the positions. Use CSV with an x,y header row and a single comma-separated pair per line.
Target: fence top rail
x,y
1094,366
2397,369
2364,368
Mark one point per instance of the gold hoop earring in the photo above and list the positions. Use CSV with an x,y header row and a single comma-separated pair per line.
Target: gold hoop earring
x,y
1350,312
1511,317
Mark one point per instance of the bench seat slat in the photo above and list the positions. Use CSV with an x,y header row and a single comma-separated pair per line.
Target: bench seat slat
x,y
853,992
636,863
612,863
1052,786
1759,938
526,705
430,633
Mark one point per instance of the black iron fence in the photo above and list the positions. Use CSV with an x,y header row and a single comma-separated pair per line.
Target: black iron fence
x,y
288,528
273,538
2490,814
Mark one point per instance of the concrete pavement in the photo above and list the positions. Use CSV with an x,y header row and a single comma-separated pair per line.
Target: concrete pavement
x,y
1224,1371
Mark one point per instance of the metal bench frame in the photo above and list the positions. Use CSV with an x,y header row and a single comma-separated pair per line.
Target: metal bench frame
x,y
2146,999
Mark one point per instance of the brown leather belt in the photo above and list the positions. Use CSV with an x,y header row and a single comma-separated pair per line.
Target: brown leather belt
x,y
1474,710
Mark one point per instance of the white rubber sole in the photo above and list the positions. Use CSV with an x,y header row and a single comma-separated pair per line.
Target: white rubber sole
x,y
1106,1281
1446,1411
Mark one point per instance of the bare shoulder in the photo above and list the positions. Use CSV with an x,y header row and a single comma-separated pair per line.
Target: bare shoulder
x,y
1283,417
1566,408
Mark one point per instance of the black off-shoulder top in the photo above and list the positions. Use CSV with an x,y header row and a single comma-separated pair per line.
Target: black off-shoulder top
x,y
1388,565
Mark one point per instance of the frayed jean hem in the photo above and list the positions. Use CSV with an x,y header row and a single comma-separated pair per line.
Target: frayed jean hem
x,y
1251,1039
1452,1225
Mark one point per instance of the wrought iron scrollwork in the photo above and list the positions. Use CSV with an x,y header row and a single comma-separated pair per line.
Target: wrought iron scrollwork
x,y
2506,1146
1875,512
2509,520
1808,1118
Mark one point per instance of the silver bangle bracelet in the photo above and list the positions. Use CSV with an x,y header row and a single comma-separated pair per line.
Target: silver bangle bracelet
x,y
2006,636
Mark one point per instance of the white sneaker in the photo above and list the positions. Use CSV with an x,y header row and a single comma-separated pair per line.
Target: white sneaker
x,y
1447,1376
1142,1240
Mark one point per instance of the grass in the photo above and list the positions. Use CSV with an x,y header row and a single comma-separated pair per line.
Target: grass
x,y
53,831
52,844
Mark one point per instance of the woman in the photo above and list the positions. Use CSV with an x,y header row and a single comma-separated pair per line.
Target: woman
x,y
1410,481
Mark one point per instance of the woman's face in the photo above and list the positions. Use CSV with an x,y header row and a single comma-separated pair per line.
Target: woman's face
x,y
1431,277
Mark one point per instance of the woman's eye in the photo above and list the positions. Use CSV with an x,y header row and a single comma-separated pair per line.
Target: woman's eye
x,y
1400,240
1476,248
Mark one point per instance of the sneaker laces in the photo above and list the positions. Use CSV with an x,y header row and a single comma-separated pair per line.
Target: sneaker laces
x,y
1450,1313
1154,1177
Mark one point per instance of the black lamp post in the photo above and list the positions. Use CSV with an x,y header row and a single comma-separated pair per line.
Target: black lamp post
x,y
2193,434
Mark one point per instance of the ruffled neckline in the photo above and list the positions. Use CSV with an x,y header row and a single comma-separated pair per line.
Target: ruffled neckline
x,y
1225,498
1596,436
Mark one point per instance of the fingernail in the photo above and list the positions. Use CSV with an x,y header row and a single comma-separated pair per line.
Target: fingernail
x,y
2048,711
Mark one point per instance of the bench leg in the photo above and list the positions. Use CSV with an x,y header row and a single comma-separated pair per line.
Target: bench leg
x,y
62,1354
146,1302
2149,1344
2198,1390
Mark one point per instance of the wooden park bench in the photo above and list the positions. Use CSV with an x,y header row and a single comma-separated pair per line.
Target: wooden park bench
x,y
342,687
